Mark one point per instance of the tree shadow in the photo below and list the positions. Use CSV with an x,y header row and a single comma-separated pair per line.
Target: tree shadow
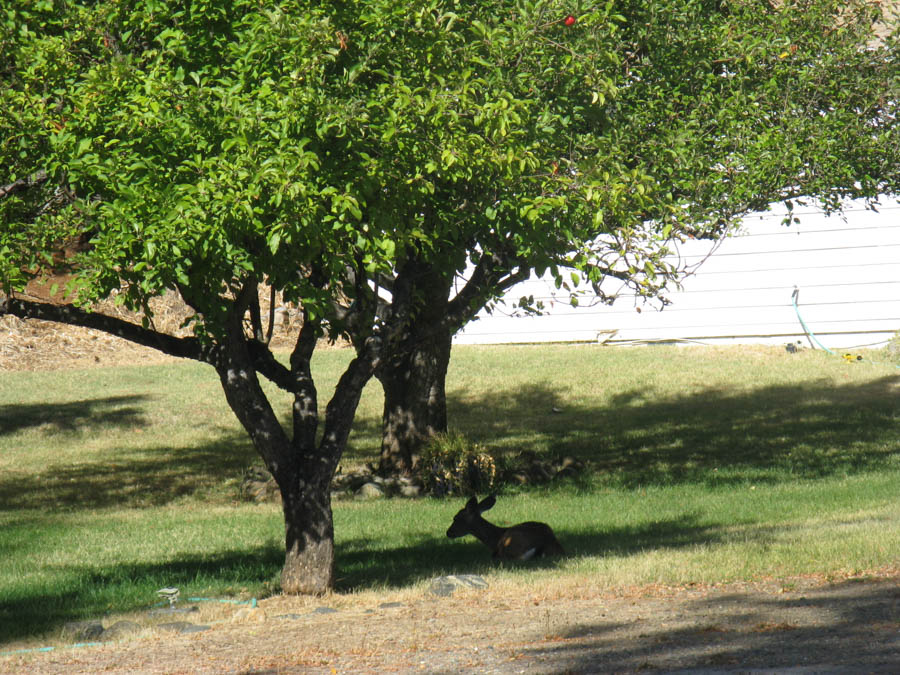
x,y
846,625
33,610
808,430
87,414
362,565
144,477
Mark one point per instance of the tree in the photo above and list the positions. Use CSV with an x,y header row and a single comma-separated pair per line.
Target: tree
x,y
360,157
596,145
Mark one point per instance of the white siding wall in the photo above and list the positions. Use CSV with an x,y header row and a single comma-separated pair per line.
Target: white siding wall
x,y
847,270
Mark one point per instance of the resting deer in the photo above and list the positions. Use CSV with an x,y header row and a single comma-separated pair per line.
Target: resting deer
x,y
519,542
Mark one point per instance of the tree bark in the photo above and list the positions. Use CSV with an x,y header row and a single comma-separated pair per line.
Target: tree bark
x,y
415,400
414,368
309,538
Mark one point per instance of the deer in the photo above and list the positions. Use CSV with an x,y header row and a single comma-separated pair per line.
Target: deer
x,y
519,542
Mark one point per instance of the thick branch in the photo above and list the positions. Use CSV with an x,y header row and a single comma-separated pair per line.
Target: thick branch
x,y
305,410
487,279
188,348
24,184
255,315
341,408
271,326
269,367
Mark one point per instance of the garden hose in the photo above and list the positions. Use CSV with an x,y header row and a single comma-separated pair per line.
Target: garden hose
x,y
848,357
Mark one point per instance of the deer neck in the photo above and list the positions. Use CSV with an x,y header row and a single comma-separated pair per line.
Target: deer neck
x,y
487,533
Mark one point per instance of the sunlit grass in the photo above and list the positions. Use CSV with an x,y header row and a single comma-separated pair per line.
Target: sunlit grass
x,y
702,466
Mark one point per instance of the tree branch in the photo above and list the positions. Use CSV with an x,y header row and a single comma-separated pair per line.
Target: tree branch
x,y
188,348
487,279
23,184
271,327
341,408
305,409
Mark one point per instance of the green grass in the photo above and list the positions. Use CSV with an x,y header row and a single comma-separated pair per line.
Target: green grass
x,y
704,465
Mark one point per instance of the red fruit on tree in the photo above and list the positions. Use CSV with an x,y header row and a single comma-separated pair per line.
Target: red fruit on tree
x,y
570,20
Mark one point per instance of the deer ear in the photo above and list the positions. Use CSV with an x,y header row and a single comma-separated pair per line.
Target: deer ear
x,y
487,502
472,503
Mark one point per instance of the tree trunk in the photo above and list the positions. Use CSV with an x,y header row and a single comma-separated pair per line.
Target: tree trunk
x,y
309,538
415,401
302,468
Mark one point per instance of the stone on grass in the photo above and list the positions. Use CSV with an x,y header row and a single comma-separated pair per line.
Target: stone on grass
x,y
410,491
82,631
370,491
324,610
175,626
122,629
447,586
165,611
249,615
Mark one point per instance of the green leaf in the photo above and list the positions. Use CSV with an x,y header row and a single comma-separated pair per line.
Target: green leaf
x,y
274,242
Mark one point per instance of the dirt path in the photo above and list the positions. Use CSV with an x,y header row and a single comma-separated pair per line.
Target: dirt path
x,y
803,626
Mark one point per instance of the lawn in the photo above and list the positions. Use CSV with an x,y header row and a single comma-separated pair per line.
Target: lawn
x,y
702,465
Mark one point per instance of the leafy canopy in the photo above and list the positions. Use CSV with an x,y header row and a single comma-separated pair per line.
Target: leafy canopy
x,y
200,144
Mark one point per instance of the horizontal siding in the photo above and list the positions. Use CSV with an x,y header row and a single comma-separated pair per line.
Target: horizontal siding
x,y
847,270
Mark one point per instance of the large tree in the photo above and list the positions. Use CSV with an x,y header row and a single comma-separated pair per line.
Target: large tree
x,y
360,158
594,136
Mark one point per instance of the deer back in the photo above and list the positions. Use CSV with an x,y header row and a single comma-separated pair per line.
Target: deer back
x,y
526,541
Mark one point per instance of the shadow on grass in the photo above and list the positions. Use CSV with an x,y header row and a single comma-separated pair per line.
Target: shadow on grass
x,y
152,476
93,591
85,415
96,591
362,565
809,430
161,476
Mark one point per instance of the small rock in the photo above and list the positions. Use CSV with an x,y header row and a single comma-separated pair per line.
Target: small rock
x,y
259,486
370,491
249,615
122,629
410,490
82,631
569,467
174,626
446,586
569,462
324,610
390,605
173,610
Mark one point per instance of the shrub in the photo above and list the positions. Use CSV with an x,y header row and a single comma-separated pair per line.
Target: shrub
x,y
450,464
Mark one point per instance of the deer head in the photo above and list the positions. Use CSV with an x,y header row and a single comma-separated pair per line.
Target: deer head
x,y
519,542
